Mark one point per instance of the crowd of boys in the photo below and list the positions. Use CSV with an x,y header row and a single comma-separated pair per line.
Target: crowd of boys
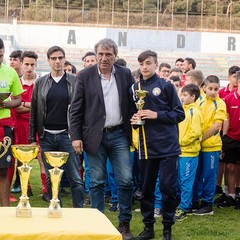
x,y
189,141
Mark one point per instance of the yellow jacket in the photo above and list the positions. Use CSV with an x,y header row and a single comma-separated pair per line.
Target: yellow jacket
x,y
212,110
190,131
201,98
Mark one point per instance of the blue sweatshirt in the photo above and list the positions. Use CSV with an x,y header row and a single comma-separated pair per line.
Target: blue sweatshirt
x,y
161,134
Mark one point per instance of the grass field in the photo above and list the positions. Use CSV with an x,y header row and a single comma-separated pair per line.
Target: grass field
x,y
223,225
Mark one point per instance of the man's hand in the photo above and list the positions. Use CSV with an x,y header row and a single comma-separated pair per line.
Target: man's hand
x,y
78,146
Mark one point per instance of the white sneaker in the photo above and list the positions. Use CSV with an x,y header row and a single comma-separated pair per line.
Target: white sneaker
x,y
157,212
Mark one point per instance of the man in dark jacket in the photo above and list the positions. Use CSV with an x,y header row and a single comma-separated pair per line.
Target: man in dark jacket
x,y
50,103
100,124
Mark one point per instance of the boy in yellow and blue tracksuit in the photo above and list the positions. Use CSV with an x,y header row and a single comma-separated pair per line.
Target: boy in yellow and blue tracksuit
x,y
213,110
190,136
196,77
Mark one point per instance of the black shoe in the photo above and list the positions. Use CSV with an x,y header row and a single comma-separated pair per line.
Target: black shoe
x,y
124,229
46,197
167,234
203,211
194,208
87,202
221,199
16,189
237,198
147,233
237,203
107,199
29,192
218,190
138,194
114,207
227,203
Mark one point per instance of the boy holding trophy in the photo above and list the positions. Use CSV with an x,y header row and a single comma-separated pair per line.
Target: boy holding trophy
x,y
158,142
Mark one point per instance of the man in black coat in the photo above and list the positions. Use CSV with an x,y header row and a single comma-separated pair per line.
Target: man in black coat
x,y
100,124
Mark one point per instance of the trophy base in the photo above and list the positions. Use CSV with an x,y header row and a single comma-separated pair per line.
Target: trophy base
x,y
54,213
54,210
24,209
140,122
23,213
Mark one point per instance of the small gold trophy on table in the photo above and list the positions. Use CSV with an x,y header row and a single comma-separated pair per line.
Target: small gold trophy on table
x,y
56,160
24,153
141,94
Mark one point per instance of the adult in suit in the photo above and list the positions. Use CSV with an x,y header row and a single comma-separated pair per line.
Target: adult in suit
x,y
100,124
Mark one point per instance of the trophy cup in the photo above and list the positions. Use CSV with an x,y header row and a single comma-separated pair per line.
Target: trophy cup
x,y
56,160
5,144
24,153
141,94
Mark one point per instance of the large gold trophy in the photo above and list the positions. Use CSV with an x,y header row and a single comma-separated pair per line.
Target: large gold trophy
x,y
141,94
56,160
24,153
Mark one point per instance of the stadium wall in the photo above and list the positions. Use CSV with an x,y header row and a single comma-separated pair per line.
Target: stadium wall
x,y
30,35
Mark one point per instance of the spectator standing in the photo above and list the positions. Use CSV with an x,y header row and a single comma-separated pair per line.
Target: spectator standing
x,y
9,82
50,103
213,110
100,124
190,135
15,61
230,88
164,70
231,147
29,64
89,59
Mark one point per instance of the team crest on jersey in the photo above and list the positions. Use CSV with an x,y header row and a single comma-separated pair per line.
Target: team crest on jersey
x,y
3,84
9,158
156,91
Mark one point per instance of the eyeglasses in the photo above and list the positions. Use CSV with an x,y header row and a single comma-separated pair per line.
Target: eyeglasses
x,y
55,58
165,71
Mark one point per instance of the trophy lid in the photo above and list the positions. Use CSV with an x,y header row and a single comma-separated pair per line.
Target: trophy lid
x,y
4,95
141,93
56,159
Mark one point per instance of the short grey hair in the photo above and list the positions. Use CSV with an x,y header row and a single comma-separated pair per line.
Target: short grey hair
x,y
107,43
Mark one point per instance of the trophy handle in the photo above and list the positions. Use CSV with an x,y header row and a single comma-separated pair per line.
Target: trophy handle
x,y
5,144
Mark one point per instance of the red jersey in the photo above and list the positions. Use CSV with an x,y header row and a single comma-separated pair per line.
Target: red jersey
x,y
183,80
233,109
26,97
225,92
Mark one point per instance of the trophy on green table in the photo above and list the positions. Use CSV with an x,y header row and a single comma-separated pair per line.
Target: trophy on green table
x,y
141,94
56,160
24,153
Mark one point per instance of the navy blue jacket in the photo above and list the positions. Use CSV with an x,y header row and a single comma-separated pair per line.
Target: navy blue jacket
x,y
162,137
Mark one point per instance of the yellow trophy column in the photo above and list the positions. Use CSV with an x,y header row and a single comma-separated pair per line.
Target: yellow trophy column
x,y
24,153
56,160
